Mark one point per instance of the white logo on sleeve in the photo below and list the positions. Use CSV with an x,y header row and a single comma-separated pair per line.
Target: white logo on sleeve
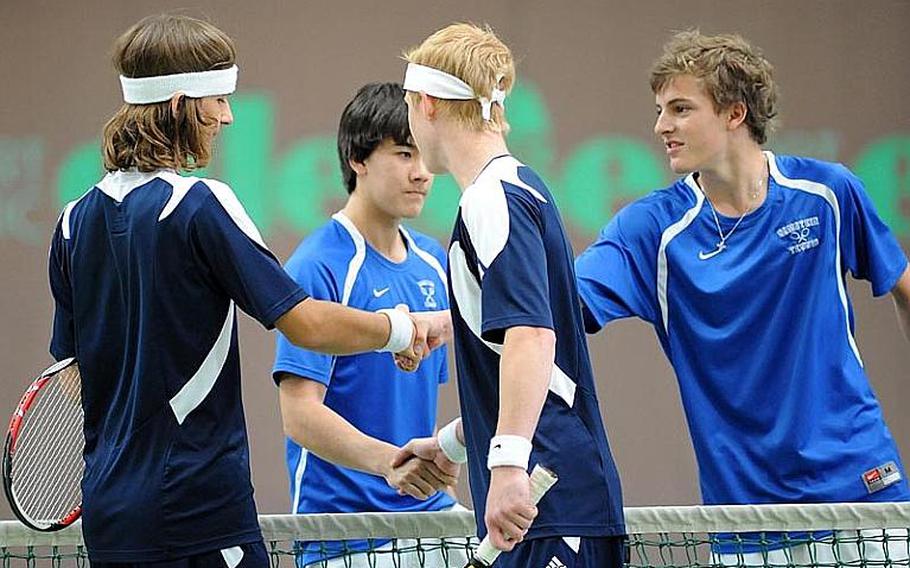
x,y
428,289
380,292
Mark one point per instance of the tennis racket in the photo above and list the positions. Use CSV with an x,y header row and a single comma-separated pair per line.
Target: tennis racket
x,y
42,458
542,480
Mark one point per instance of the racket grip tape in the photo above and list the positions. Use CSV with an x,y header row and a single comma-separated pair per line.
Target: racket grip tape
x,y
541,480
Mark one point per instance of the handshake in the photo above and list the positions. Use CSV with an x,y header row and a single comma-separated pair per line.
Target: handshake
x,y
430,330
420,468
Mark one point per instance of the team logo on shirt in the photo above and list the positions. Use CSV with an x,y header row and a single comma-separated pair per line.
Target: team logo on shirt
x,y
801,234
428,289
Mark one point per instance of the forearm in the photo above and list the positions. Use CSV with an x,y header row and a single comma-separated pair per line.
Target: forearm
x,y
901,295
327,434
524,378
328,327
903,315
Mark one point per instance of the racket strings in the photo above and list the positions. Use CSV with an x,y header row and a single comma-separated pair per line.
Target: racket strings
x,y
53,454
48,466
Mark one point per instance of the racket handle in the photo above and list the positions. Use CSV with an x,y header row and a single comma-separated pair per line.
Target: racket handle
x,y
541,480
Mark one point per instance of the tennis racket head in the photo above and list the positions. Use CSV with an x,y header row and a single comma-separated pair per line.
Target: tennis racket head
x,y
42,457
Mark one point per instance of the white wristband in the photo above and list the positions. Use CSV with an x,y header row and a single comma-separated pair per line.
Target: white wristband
x,y
449,443
508,450
402,331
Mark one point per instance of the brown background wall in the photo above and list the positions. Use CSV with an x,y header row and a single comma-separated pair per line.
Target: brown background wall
x,y
842,67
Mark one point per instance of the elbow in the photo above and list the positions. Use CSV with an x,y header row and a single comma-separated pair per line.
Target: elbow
x,y
294,428
547,342
305,326
297,429
535,339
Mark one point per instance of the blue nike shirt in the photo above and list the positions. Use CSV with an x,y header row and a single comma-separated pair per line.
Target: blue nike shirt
x,y
336,263
761,335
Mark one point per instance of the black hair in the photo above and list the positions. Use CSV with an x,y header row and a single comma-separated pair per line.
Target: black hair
x,y
376,112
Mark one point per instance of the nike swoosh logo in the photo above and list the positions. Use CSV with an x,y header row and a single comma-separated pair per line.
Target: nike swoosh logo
x,y
706,255
378,293
713,253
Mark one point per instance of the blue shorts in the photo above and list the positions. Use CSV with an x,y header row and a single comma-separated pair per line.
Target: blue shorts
x,y
250,555
566,552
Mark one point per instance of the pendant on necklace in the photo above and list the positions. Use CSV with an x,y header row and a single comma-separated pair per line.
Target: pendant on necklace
x,y
721,246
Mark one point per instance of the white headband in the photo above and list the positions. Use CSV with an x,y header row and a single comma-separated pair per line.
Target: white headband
x,y
439,84
146,90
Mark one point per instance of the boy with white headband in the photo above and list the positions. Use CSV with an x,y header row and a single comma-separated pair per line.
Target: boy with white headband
x,y
147,270
525,380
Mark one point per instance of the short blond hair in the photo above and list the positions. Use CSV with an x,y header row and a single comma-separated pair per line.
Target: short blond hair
x,y
731,70
476,56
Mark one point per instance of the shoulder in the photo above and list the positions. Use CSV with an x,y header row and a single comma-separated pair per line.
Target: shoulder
x,y
328,249
204,194
425,242
802,172
504,188
645,219
64,221
503,179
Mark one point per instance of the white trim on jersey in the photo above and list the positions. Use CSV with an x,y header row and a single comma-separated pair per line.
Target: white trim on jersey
x,y
826,193
298,479
180,187
67,212
573,542
232,556
485,213
203,380
117,185
426,257
360,253
65,222
668,235
484,210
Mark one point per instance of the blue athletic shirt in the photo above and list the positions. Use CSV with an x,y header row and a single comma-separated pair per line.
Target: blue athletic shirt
x,y
147,270
336,263
510,264
761,335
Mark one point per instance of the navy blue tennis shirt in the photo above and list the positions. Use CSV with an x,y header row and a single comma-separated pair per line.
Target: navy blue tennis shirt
x,y
511,264
147,271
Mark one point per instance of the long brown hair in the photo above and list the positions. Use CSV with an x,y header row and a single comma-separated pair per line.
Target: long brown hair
x,y
150,136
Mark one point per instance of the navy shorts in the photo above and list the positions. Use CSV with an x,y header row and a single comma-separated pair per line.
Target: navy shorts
x,y
566,552
250,555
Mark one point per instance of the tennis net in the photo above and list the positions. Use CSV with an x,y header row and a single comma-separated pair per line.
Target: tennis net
x,y
861,535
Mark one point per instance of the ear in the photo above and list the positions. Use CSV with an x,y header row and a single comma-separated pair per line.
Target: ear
x,y
359,168
175,103
428,106
736,115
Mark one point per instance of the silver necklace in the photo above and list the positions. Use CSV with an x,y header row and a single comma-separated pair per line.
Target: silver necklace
x,y
722,243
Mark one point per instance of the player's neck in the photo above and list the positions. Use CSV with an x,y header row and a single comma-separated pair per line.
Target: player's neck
x,y
378,229
738,183
468,152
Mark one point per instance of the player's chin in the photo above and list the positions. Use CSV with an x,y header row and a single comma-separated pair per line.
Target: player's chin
x,y
679,166
413,206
